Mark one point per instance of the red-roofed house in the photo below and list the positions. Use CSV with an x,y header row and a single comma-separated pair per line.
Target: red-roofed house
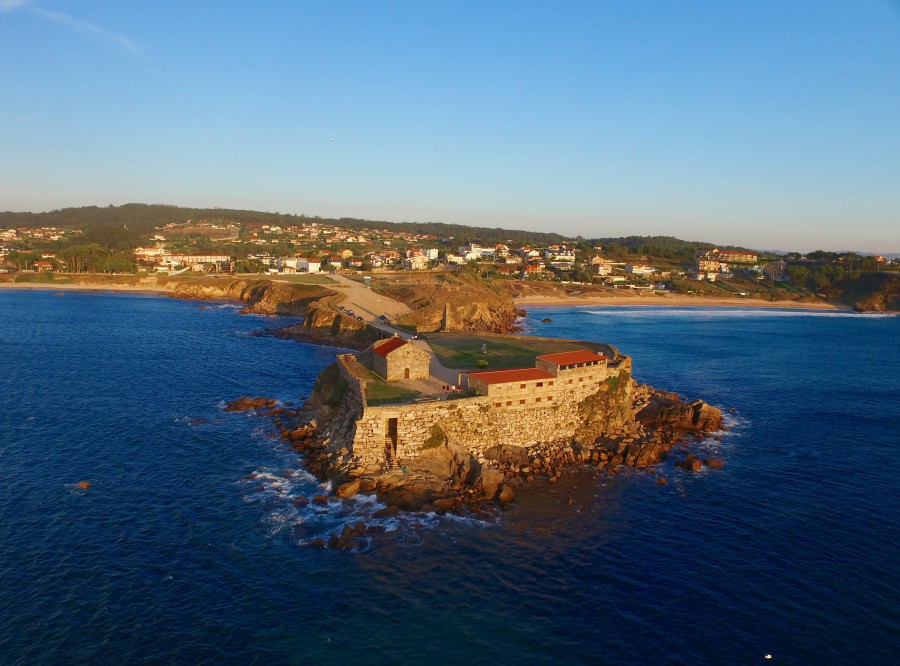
x,y
522,386
396,358
526,385
581,358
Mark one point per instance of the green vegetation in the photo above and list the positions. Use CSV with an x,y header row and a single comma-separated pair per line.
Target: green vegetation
x,y
37,277
436,437
313,278
388,393
381,392
463,351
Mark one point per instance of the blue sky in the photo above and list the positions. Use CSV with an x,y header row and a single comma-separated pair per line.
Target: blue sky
x,y
770,124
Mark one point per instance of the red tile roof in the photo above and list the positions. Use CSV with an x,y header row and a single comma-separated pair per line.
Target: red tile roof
x,y
572,357
504,376
386,347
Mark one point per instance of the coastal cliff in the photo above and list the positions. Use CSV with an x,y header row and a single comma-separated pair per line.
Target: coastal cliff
x,y
454,302
322,322
261,296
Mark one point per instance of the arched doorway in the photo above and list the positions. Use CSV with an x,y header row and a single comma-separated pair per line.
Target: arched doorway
x,y
406,373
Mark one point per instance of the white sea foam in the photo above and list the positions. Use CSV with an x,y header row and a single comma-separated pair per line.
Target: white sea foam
x,y
700,312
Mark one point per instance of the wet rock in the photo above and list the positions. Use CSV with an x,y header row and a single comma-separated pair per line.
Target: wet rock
x,y
690,464
667,410
301,501
367,485
246,403
715,463
348,490
447,504
83,485
507,495
320,500
386,512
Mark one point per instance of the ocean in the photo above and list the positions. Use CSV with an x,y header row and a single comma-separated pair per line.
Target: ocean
x,y
189,546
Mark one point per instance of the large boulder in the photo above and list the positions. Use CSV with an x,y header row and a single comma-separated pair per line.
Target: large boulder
x,y
348,490
491,480
666,410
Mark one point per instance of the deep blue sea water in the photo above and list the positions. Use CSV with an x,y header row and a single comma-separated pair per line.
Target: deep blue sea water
x,y
172,556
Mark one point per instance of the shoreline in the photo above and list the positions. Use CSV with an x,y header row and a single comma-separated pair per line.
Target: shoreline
x,y
49,286
666,301
524,301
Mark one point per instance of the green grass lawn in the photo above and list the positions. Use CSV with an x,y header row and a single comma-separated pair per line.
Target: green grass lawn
x,y
380,392
314,278
460,350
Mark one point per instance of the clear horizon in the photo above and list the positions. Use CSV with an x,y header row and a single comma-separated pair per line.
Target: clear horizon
x,y
766,126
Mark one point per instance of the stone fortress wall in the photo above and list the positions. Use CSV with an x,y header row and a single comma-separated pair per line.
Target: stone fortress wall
x,y
515,416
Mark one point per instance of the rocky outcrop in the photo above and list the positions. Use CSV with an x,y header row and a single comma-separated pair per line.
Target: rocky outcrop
x,y
457,302
323,322
668,411
261,296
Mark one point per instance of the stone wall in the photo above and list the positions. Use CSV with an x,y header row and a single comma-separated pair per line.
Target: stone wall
x,y
473,423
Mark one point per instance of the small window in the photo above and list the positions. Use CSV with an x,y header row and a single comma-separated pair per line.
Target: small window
x,y
570,381
521,385
549,383
549,398
498,404
537,399
539,384
581,379
508,403
521,402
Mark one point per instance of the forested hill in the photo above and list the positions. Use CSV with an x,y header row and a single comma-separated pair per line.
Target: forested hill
x,y
664,247
142,218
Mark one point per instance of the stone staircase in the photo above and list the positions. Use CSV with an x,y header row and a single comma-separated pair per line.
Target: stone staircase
x,y
388,456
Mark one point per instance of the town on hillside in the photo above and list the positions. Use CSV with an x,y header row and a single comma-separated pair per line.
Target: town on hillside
x,y
293,245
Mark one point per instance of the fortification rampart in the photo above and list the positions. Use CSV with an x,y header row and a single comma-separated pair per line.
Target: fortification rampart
x,y
355,383
522,417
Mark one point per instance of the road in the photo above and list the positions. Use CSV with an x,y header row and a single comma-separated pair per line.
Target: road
x,y
365,302
370,306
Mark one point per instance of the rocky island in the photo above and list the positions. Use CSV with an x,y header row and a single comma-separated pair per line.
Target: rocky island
x,y
388,421
438,411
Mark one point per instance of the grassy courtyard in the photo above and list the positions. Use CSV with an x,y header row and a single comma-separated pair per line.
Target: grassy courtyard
x,y
381,392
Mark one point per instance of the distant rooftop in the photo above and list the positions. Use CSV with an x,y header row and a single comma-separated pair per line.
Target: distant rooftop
x,y
504,376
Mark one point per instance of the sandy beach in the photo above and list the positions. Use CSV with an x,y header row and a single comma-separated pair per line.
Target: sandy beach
x,y
664,300
50,286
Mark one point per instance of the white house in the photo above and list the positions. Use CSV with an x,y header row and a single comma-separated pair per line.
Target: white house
x,y
308,265
416,262
639,269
